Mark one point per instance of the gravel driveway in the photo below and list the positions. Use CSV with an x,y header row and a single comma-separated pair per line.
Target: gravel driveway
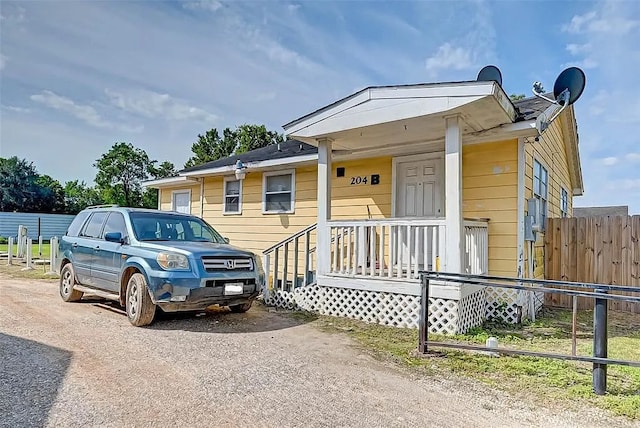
x,y
82,364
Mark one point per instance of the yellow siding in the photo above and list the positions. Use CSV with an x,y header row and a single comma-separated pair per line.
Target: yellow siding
x,y
551,152
256,231
165,197
490,190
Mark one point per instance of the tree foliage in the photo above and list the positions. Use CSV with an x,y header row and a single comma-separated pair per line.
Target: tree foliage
x,y
23,189
244,138
118,181
120,172
517,97
78,196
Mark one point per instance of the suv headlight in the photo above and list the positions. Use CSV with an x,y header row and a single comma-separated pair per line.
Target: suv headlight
x,y
172,261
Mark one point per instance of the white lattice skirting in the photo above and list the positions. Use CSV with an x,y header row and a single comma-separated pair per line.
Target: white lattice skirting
x,y
511,306
446,316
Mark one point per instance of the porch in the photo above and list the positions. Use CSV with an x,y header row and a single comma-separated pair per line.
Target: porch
x,y
368,268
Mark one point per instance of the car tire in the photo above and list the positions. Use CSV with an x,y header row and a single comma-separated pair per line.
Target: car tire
x,y
238,309
140,308
67,281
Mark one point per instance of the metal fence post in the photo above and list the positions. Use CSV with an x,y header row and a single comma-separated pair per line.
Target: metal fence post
x,y
600,343
424,315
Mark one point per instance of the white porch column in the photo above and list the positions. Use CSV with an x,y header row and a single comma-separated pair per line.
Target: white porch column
x,y
453,196
324,206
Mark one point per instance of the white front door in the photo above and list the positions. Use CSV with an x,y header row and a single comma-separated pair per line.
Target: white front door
x,y
182,202
418,189
418,193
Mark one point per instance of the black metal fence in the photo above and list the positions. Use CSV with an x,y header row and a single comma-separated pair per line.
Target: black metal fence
x,y
599,292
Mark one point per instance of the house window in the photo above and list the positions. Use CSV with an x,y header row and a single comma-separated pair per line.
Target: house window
x,y
181,201
541,189
232,196
278,191
564,203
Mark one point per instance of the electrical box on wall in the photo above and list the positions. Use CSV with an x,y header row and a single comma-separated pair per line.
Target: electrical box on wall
x,y
535,212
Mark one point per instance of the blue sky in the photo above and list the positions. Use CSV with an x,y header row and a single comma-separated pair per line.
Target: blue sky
x,y
78,76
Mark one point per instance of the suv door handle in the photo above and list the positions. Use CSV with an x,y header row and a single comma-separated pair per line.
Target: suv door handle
x,y
97,248
74,245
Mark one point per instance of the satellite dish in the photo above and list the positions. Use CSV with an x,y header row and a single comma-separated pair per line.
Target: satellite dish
x,y
567,89
489,73
571,79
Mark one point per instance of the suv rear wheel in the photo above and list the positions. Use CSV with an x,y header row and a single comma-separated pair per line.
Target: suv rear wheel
x,y
67,281
140,308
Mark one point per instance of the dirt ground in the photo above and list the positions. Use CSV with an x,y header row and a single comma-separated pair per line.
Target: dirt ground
x,y
83,364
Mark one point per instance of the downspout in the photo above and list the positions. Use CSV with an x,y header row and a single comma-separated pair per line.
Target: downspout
x,y
201,197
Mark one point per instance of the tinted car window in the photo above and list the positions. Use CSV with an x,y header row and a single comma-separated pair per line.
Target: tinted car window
x,y
115,223
94,226
76,224
171,227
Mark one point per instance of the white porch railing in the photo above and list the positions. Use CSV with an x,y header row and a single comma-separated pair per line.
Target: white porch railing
x,y
476,257
401,248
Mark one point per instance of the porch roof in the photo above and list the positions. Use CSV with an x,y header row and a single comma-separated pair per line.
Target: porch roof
x,y
383,115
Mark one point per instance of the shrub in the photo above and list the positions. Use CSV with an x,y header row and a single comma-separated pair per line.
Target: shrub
x,y
4,240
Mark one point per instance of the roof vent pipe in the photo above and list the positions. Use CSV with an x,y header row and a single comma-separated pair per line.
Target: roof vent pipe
x,y
279,147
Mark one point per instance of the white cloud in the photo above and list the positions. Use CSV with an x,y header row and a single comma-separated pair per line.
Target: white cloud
x,y
155,105
449,57
293,8
628,184
592,23
16,109
209,5
633,157
610,161
85,113
576,49
587,63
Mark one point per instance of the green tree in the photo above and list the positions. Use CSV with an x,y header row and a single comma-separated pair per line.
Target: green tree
x,y
209,147
18,185
50,195
517,97
251,137
244,138
120,172
78,196
164,170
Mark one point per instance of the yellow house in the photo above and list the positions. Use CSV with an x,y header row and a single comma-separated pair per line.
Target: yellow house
x,y
374,188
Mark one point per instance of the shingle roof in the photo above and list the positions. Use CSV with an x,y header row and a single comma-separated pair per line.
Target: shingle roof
x,y
286,150
530,108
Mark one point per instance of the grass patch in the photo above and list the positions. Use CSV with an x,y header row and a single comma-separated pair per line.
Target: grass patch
x,y
544,379
35,252
15,271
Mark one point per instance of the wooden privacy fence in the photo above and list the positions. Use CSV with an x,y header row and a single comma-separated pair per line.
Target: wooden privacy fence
x,y
602,250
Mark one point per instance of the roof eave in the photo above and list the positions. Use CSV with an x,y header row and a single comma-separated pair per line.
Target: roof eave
x,y
168,182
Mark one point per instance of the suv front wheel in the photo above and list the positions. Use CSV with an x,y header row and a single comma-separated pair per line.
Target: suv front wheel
x,y
140,308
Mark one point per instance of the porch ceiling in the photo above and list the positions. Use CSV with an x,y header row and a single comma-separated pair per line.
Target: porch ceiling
x,y
379,117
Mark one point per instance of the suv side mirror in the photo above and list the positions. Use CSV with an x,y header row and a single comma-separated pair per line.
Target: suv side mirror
x,y
114,237
226,240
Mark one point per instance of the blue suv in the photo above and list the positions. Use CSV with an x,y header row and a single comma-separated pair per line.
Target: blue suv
x,y
146,259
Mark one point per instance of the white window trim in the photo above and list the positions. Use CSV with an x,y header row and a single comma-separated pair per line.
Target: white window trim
x,y
173,198
224,197
564,210
533,187
293,190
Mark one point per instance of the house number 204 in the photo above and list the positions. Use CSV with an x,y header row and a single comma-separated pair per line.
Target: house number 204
x,y
363,179
359,180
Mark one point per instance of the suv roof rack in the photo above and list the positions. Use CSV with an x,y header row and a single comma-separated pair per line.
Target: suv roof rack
x,y
101,206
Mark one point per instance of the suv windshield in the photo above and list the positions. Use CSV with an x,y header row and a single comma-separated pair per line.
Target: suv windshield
x,y
149,226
